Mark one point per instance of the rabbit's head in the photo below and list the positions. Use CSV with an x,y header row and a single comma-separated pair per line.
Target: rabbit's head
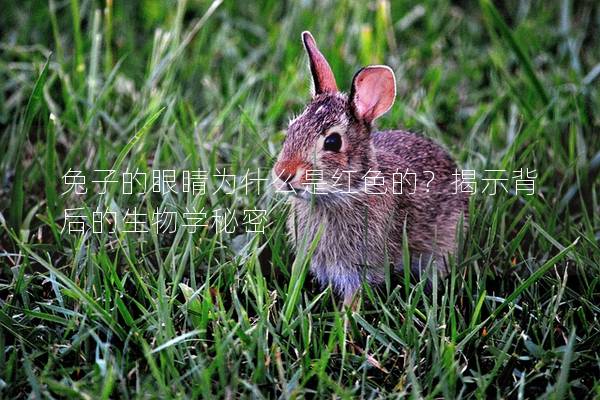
x,y
330,141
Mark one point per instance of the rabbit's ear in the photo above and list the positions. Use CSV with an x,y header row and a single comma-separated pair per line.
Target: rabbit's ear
x,y
323,79
373,92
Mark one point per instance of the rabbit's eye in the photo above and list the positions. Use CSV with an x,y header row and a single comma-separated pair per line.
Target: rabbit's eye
x,y
333,142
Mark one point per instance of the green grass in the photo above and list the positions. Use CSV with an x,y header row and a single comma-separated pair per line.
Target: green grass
x,y
197,85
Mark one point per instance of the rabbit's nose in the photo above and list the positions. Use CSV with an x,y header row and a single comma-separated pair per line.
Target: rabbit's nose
x,y
285,172
287,176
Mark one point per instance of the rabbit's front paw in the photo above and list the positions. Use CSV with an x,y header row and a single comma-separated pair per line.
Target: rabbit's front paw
x,y
344,279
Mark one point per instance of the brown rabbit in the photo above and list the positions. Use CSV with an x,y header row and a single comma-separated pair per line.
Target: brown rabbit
x,y
330,154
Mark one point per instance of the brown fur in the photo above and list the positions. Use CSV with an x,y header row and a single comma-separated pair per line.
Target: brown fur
x,y
362,231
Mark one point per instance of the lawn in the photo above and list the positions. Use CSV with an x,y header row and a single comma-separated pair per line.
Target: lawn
x,y
101,298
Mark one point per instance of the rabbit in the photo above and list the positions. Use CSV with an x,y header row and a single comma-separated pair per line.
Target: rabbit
x,y
361,231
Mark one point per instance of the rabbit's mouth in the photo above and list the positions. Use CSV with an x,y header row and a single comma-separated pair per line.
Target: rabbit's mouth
x,y
310,195
300,193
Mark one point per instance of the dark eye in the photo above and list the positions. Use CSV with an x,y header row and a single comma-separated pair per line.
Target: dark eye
x,y
333,142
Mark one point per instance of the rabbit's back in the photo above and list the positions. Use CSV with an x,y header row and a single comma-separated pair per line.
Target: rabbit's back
x,y
431,199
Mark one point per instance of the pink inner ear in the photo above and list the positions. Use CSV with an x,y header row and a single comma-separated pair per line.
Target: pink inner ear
x,y
374,92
